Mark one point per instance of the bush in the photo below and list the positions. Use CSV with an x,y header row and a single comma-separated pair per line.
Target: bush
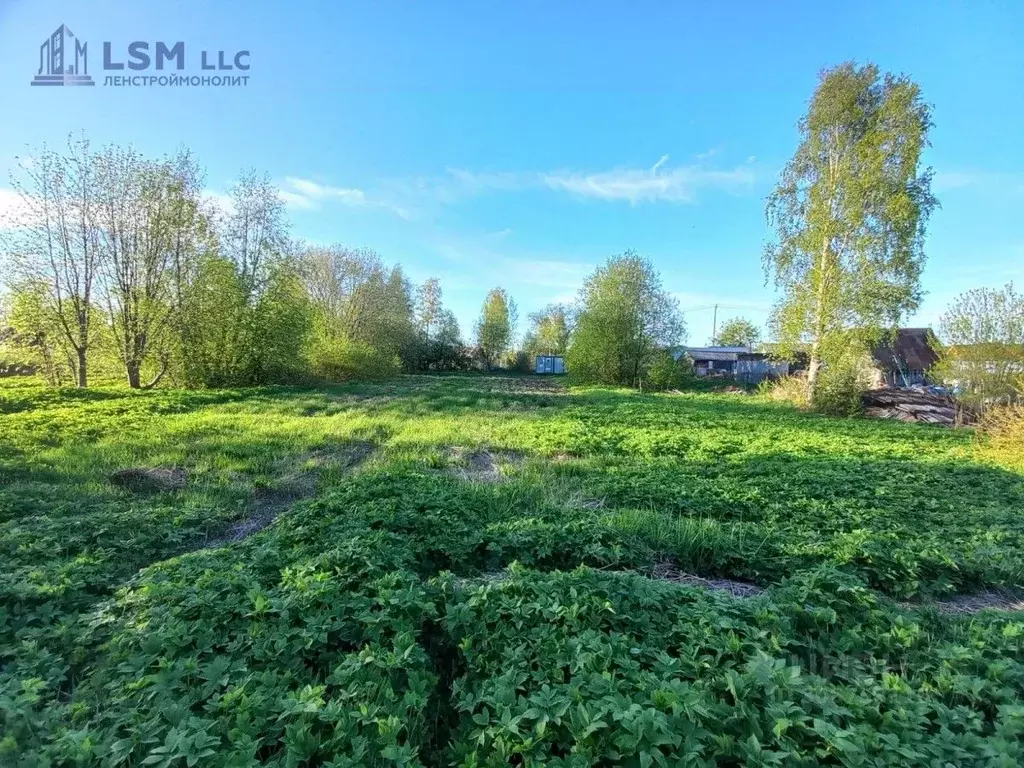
x,y
280,321
838,391
340,360
786,389
1002,435
842,380
228,338
666,372
517,362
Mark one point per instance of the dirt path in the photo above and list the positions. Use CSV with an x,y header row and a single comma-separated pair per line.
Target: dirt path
x,y
298,482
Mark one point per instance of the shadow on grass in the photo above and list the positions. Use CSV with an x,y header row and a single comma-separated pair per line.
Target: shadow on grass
x,y
74,534
19,399
414,394
905,526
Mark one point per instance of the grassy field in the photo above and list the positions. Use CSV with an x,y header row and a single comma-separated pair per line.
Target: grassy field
x,y
467,571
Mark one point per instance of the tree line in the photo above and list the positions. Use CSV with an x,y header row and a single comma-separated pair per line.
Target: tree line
x,y
124,265
119,264
121,260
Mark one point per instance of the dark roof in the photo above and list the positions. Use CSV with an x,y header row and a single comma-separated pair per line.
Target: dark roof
x,y
698,354
713,354
908,350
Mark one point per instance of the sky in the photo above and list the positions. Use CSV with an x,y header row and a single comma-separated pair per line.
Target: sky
x,y
521,144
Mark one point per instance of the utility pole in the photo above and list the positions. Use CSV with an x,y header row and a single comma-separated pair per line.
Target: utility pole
x,y
714,326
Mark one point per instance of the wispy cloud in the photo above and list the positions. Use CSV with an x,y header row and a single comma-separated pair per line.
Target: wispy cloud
x,y
309,195
1000,182
415,197
311,190
661,182
473,182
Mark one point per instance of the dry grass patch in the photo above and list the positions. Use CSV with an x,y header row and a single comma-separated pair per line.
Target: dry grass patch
x,y
481,465
1001,436
666,571
970,604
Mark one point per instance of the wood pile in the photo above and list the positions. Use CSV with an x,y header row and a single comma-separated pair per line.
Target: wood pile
x,y
915,405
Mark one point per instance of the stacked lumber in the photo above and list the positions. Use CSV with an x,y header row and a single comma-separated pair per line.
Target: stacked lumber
x,y
915,405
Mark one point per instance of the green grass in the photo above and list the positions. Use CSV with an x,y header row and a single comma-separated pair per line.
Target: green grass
x,y
367,625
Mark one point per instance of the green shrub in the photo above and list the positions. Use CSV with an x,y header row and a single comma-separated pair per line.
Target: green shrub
x,y
838,391
229,338
666,372
340,360
517,362
842,381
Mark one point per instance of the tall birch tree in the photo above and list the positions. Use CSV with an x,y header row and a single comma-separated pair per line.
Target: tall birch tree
x,y
849,214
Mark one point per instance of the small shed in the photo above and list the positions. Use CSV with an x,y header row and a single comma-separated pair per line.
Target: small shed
x,y
549,364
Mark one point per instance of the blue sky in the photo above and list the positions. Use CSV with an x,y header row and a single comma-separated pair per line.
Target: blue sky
x,y
519,144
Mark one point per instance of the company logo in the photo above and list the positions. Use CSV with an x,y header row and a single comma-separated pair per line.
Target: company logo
x,y
63,60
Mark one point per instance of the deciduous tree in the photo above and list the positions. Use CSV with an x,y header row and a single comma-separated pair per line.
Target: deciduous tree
x,y
496,325
356,299
549,331
849,212
737,332
428,307
449,350
625,318
253,228
35,337
54,246
439,340
143,210
983,336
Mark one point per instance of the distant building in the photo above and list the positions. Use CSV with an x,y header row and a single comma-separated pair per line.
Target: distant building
x,y
741,363
549,364
904,359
